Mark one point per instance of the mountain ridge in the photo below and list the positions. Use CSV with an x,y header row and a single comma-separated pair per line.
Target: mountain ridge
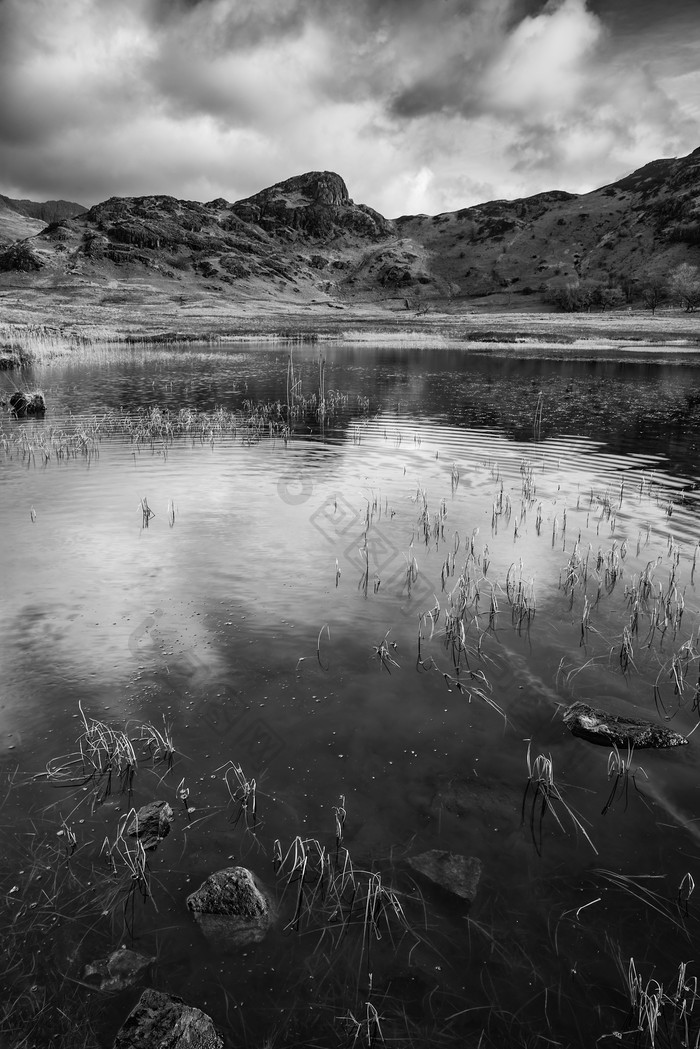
x,y
306,238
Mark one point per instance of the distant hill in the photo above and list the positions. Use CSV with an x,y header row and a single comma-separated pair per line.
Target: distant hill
x,y
306,238
24,218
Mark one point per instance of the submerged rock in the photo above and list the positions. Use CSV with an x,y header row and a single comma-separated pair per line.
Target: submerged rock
x,y
597,726
480,798
457,874
120,970
232,908
161,1021
151,823
27,403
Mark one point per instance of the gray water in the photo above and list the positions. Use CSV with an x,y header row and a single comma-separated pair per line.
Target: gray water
x,y
265,616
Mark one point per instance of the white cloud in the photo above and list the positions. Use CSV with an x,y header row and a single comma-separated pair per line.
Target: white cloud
x,y
419,105
542,68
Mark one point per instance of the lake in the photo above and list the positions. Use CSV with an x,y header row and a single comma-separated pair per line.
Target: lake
x,y
359,632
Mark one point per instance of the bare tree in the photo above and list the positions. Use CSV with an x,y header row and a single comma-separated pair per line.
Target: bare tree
x,y
684,286
653,293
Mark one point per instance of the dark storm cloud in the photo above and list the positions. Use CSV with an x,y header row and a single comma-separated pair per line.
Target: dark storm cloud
x,y
420,104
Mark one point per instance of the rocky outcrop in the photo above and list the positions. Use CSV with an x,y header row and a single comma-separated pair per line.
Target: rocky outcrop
x,y
232,908
161,1021
151,823
598,726
316,204
459,875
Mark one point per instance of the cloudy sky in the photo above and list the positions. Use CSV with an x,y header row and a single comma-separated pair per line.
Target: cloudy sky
x,y
421,105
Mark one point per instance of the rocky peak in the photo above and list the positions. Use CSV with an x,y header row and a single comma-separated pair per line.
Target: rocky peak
x,y
314,187
316,205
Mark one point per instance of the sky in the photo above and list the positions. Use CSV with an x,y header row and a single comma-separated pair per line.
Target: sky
x,y
422,106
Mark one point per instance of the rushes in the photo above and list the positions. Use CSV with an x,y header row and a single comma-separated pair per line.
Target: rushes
x,y
546,797
107,757
367,1031
663,1018
382,652
618,772
521,596
146,512
132,857
243,794
332,897
685,891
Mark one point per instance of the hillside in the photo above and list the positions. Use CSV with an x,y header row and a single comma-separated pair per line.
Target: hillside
x,y
305,239
632,230
20,219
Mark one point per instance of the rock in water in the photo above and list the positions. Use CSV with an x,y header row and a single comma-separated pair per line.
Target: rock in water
x,y
27,403
457,874
161,1021
120,970
232,908
151,823
597,726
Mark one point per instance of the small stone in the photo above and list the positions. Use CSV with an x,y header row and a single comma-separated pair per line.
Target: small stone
x,y
120,970
151,823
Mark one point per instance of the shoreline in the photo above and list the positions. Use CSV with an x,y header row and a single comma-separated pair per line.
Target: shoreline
x,y
32,332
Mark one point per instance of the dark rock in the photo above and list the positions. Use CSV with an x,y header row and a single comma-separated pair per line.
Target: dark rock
x,y
161,1021
151,823
232,908
120,970
597,726
457,874
27,403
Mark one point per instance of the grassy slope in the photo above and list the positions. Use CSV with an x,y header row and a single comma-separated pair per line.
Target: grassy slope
x,y
14,226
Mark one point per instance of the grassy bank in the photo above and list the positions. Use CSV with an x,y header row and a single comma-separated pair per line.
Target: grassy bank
x,y
40,323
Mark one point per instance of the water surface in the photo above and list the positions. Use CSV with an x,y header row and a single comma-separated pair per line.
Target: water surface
x,y
265,614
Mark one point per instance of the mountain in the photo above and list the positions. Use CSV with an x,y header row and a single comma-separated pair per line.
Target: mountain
x,y
24,218
305,238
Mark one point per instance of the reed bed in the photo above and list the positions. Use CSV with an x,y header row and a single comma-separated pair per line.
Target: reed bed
x,y
161,428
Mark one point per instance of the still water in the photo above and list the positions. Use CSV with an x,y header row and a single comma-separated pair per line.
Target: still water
x,y
379,613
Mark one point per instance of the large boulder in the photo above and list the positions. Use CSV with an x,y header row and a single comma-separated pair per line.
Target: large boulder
x,y
232,908
161,1021
459,875
598,726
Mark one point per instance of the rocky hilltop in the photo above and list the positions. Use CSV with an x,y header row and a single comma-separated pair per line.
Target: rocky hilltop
x,y
305,238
